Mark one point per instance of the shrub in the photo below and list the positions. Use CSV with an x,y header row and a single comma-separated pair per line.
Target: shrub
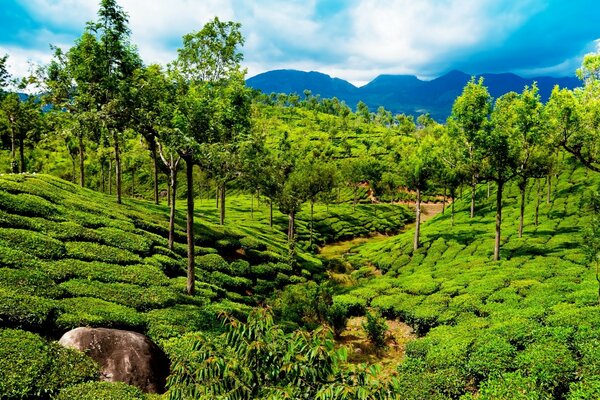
x,y
28,281
213,262
354,305
138,274
587,389
124,240
97,252
24,311
171,266
85,311
376,329
69,231
27,204
337,318
490,356
36,244
178,320
141,298
30,367
512,385
101,391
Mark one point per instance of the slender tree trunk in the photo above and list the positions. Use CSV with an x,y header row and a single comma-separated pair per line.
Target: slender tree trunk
x,y
312,212
73,169
191,274
154,170
118,167
217,195
291,226
13,152
473,188
133,182
222,214
271,213
416,243
522,189
110,166
537,202
22,155
81,161
102,177
169,191
251,205
498,220
444,201
172,201
549,194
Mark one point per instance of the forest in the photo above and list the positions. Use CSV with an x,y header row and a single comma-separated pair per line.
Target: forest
x,y
288,246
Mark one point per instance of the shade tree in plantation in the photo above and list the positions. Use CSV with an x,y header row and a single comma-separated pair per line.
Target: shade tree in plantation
x,y
501,155
318,178
152,95
417,168
532,157
4,75
170,159
450,173
467,123
22,119
205,62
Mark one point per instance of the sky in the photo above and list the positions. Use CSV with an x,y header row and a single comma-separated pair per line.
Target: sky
x,y
356,40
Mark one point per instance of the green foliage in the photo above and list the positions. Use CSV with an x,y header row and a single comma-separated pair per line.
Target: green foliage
x,y
258,360
101,391
87,251
82,311
32,243
27,312
31,367
376,329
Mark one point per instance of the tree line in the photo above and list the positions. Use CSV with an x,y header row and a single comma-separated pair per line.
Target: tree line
x,y
196,114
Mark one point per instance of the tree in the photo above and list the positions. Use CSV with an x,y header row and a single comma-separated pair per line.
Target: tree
x,y
501,153
290,200
417,168
207,59
468,122
23,119
4,76
529,129
591,235
151,92
171,161
318,178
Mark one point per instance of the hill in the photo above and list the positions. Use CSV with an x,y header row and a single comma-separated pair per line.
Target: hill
x,y
71,257
523,327
401,93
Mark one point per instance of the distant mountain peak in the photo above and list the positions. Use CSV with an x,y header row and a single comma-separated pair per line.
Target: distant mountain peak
x,y
401,93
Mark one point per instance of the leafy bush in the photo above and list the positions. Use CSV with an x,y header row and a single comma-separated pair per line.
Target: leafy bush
x,y
101,391
337,318
87,251
213,262
29,281
27,204
36,244
138,274
376,329
24,311
29,366
124,240
140,298
512,385
85,311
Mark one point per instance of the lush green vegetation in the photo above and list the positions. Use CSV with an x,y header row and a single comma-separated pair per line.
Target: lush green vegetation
x,y
499,288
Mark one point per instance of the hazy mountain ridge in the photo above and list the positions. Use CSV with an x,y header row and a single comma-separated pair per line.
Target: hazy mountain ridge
x,y
401,93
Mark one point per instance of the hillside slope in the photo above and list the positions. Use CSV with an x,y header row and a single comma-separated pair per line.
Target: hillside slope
x,y
526,327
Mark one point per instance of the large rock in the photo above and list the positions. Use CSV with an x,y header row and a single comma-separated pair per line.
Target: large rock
x,y
123,356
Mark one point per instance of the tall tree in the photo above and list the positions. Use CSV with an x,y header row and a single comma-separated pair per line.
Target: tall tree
x,y
468,122
207,59
417,168
500,157
529,129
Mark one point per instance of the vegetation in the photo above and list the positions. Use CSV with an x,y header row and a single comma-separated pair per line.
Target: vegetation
x,y
503,291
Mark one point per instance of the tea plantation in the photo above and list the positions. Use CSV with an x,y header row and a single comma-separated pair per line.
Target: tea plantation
x,y
525,327
71,257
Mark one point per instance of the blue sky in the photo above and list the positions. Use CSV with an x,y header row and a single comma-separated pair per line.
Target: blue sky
x,y
354,39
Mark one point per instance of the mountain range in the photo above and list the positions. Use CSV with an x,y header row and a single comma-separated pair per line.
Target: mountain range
x,y
401,93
